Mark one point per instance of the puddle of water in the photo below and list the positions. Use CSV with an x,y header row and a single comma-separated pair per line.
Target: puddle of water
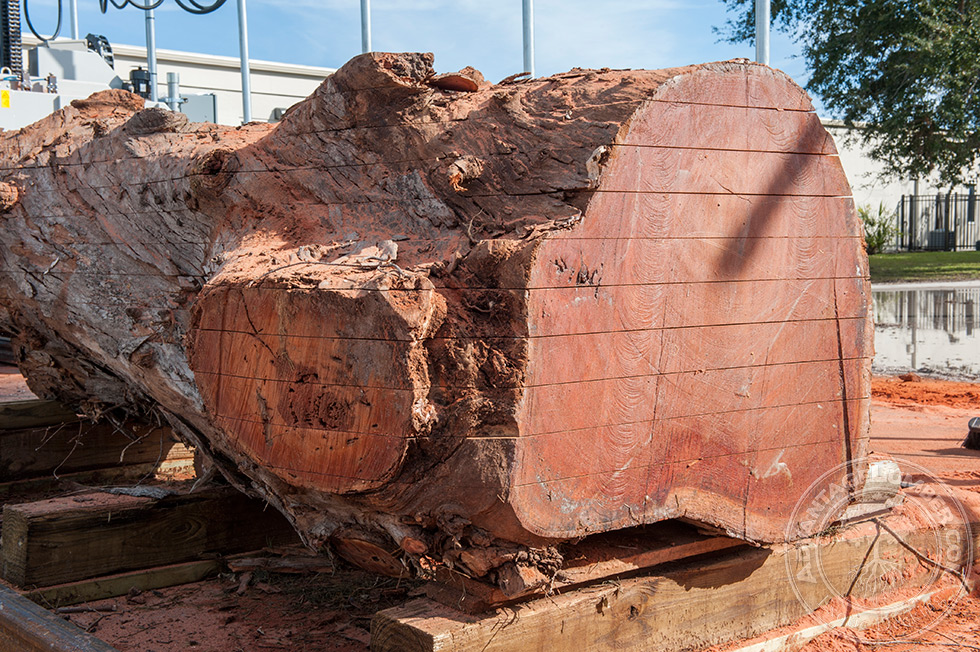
x,y
932,329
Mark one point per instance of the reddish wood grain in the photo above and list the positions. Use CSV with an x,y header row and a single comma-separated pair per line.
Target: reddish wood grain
x,y
729,337
423,319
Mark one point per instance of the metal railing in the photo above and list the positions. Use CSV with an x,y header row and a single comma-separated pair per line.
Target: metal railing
x,y
940,222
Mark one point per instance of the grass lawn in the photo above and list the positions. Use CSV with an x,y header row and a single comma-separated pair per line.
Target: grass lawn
x,y
925,266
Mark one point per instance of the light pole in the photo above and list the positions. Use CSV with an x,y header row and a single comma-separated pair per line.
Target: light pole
x,y
73,18
528,15
762,31
365,26
246,70
151,53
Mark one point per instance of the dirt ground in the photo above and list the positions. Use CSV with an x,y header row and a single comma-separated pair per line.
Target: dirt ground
x,y
923,421
324,612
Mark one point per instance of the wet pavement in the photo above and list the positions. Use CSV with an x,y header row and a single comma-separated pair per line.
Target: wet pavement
x,y
930,328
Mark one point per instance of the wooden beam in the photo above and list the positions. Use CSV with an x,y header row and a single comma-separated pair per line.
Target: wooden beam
x,y
88,535
112,586
26,627
737,595
176,464
34,413
594,559
83,445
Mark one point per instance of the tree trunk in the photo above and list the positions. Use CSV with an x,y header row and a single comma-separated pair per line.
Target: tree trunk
x,y
486,319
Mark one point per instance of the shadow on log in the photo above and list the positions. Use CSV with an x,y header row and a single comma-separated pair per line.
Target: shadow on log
x,y
430,318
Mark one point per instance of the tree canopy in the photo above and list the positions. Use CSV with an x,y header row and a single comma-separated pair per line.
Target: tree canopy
x,y
909,70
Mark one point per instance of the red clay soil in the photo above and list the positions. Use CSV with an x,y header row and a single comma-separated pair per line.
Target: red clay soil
x,y
922,391
324,612
958,630
923,421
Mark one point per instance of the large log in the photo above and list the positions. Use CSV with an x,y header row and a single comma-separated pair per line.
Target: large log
x,y
484,320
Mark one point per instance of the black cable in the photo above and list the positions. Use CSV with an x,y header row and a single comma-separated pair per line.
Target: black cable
x,y
30,26
201,9
104,4
194,7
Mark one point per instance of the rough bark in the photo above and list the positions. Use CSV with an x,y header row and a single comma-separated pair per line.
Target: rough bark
x,y
474,323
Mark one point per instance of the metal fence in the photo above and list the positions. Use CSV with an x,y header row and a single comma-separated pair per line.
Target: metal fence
x,y
941,222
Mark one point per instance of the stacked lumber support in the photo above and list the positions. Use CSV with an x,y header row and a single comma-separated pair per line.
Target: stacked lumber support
x,y
734,595
461,324
593,560
87,535
97,539
46,448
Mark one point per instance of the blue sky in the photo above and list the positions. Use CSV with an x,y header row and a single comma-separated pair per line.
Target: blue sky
x,y
485,34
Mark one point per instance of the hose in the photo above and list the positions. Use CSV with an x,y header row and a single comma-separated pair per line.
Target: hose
x,y
195,7
199,8
57,29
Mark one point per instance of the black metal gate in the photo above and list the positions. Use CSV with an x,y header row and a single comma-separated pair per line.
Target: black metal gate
x,y
941,222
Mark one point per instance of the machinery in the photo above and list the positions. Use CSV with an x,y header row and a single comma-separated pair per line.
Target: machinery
x,y
44,78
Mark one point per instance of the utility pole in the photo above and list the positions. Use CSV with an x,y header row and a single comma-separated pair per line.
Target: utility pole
x,y
762,31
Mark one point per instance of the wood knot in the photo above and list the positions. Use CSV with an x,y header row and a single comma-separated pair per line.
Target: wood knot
x,y
155,120
213,171
9,196
463,169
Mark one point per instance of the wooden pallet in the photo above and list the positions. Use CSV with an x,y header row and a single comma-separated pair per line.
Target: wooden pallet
x,y
95,533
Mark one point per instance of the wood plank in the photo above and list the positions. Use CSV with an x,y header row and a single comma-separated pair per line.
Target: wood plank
x,y
731,83
34,413
180,466
82,446
596,558
26,627
112,586
66,539
719,346
689,605
655,261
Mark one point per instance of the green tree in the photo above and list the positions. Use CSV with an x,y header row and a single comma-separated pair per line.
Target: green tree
x,y
908,69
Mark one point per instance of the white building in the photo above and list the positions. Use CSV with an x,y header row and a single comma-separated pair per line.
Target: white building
x,y
275,86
